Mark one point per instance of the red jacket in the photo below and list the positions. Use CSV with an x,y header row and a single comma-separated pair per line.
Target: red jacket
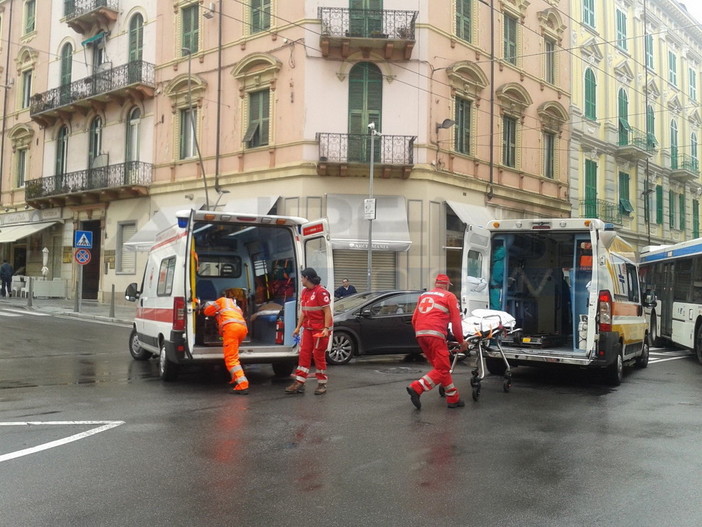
x,y
312,302
435,309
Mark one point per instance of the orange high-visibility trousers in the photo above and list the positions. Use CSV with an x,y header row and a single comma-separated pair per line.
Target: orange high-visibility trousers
x,y
232,335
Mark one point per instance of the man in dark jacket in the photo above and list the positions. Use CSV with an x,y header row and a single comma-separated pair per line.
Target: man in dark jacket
x,y
345,289
6,272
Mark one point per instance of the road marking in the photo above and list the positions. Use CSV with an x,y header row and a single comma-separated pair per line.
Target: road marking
x,y
20,312
106,425
655,361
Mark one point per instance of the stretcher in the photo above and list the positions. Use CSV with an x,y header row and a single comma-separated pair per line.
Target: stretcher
x,y
483,330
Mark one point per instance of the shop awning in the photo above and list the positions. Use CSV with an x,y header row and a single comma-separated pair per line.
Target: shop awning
x,y
349,229
12,233
143,239
259,205
94,38
471,214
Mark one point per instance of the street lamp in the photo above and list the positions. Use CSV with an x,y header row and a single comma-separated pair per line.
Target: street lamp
x,y
369,204
192,126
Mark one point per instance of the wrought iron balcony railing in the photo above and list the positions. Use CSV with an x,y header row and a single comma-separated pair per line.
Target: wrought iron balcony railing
x,y
367,23
636,138
601,209
76,8
113,79
684,162
130,173
355,148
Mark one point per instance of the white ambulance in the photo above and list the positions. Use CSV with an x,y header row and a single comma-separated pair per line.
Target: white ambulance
x,y
571,284
258,258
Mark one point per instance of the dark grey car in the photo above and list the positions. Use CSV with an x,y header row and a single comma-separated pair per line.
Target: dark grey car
x,y
373,323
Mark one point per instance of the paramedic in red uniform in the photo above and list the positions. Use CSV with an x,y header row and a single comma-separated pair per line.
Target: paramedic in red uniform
x,y
232,327
435,309
316,322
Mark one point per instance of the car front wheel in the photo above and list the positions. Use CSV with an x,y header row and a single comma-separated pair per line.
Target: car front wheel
x,y
343,348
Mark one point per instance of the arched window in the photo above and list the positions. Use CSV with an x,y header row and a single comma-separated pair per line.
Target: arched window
x,y
61,151
95,141
365,107
132,147
673,144
66,73
623,109
136,38
590,95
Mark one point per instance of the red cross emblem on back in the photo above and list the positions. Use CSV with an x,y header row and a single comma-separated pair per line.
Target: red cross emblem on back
x,y
426,305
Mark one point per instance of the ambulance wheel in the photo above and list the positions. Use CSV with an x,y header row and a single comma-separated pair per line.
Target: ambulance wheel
x,y
342,350
642,360
698,342
167,370
137,352
283,369
496,366
614,373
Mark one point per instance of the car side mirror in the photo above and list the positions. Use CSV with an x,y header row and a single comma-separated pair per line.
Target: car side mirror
x,y
131,293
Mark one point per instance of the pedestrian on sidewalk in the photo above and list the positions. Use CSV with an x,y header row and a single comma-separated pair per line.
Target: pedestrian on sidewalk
x,y
232,327
345,289
316,322
435,309
6,272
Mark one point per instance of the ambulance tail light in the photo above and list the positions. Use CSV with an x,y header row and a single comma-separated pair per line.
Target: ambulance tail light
x,y
179,313
604,311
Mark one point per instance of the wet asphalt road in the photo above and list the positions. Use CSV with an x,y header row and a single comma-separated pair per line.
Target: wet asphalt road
x,y
560,449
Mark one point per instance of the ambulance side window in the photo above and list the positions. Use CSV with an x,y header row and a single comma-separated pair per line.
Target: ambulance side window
x,y
632,283
165,277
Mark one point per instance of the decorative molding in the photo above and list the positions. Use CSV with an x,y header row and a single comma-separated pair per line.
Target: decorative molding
x,y
467,78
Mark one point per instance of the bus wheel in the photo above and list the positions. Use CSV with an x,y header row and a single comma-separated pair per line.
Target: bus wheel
x,y
698,342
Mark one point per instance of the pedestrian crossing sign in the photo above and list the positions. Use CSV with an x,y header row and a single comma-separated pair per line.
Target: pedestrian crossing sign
x,y
83,239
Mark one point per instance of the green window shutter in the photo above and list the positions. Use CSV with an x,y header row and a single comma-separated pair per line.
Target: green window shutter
x,y
61,151
259,119
590,95
624,198
624,128
365,107
463,19
190,36
650,128
462,140
510,39
589,12
671,209
681,198
659,204
136,38
260,15
30,16
672,69
695,218
509,141
673,144
590,189
66,64
621,29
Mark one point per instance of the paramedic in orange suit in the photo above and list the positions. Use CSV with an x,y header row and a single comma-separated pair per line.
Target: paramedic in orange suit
x,y
232,327
435,309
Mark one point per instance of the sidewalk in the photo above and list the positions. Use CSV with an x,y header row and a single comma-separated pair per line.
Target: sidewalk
x,y
91,309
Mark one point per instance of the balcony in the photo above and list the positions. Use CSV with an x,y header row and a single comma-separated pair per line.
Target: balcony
x,y
602,210
120,181
351,30
84,15
349,155
634,144
684,168
135,80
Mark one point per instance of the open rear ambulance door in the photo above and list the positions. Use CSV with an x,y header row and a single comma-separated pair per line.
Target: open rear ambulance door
x,y
476,269
191,300
317,252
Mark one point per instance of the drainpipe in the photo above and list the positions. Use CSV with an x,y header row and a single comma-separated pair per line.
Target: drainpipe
x,y
492,99
219,100
4,104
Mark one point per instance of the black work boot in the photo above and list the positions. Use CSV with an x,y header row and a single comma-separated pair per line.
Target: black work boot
x,y
414,397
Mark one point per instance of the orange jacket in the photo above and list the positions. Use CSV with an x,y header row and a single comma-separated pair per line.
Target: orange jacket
x,y
435,309
225,312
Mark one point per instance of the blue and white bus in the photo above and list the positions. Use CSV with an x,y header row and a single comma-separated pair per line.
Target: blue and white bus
x,y
674,274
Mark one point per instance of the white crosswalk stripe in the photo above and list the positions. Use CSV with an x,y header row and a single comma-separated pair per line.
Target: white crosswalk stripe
x,y
21,312
663,355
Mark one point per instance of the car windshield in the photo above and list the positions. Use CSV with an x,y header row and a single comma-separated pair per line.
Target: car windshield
x,y
354,301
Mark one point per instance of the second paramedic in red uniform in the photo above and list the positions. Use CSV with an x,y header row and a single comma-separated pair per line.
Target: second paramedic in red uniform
x,y
435,309
317,322
232,327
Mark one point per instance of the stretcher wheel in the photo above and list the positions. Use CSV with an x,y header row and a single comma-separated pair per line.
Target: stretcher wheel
x,y
507,385
476,392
